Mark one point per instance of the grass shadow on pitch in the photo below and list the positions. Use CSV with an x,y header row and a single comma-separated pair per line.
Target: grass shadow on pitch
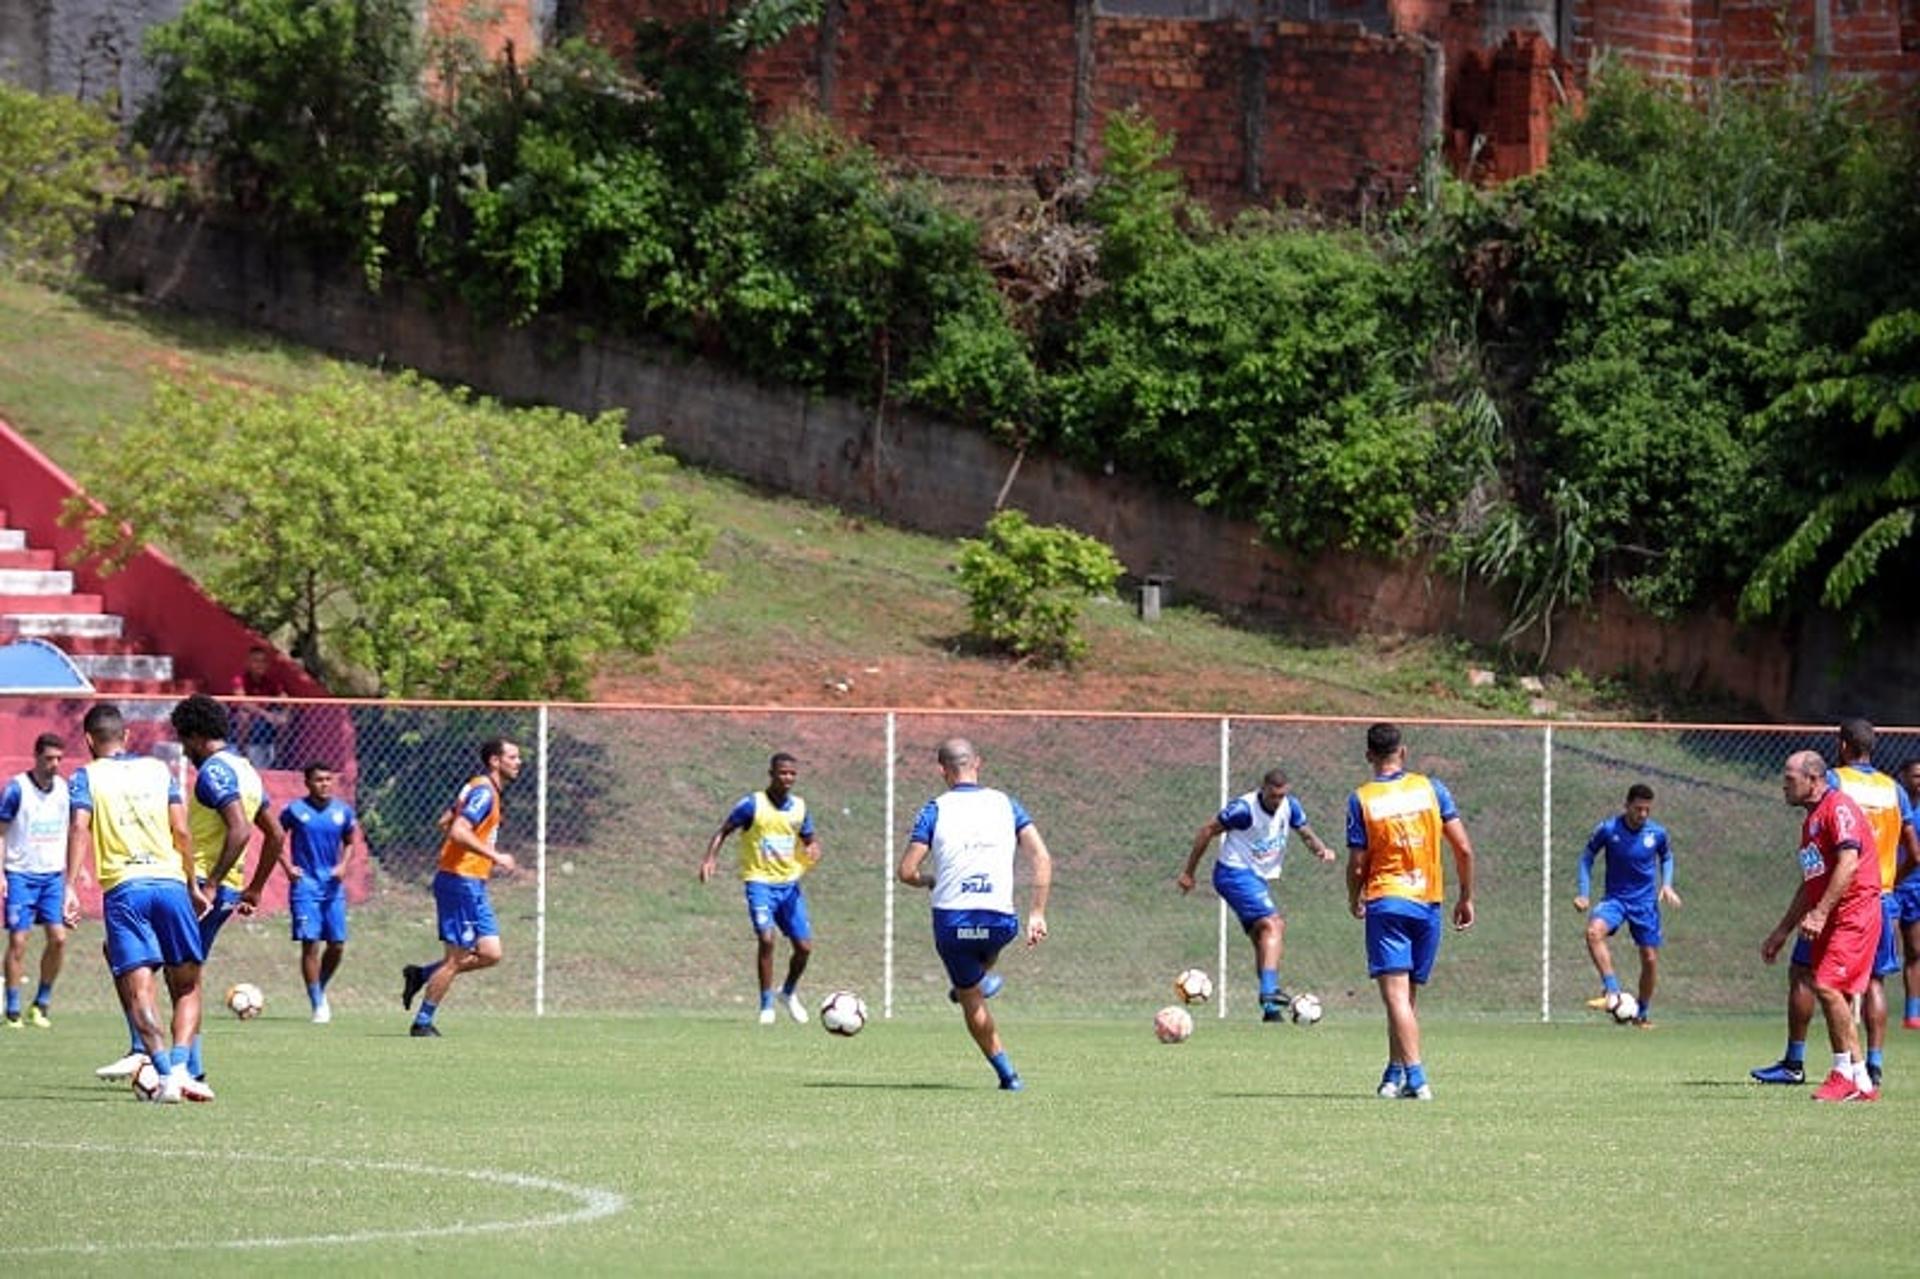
x,y
1298,1095
884,1086
77,1094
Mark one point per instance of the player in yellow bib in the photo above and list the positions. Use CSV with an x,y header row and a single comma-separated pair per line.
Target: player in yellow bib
x,y
777,847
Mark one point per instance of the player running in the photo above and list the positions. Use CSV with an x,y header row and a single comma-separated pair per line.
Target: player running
x,y
1639,882
34,809
320,832
1253,832
465,913
779,846
970,832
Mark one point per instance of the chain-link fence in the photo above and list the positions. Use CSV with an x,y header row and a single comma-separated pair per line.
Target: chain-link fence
x,y
616,804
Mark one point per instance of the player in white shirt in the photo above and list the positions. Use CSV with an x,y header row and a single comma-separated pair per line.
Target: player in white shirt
x,y
1253,832
970,833
33,808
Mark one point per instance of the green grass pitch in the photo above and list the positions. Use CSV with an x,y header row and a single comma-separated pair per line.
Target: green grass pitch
x,y
688,1144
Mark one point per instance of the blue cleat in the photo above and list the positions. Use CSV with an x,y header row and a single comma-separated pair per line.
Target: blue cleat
x,y
989,987
1781,1072
1013,1083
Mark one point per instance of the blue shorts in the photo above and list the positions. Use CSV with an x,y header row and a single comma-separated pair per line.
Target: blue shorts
x,y
318,908
1886,960
1402,937
1802,956
1245,893
150,924
465,913
968,941
1907,899
225,898
35,898
1642,918
782,906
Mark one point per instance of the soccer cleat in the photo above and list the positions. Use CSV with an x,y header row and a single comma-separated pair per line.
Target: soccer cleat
x,y
795,1009
424,1030
322,1013
1601,1003
989,987
14,1022
1013,1083
1642,1023
1873,1073
1839,1087
766,1015
196,1089
1780,1072
123,1068
173,1091
1273,1012
412,979
37,1016
1388,1090
1417,1092
1911,1023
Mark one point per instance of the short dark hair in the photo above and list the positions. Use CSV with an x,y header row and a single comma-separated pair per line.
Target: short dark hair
x,y
104,722
782,757
1856,734
1383,739
491,749
49,742
1639,790
318,766
199,716
1276,776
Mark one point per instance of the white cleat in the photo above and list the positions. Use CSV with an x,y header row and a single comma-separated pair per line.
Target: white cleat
x,y
322,1013
1387,1091
174,1091
121,1069
1423,1093
796,1009
192,1089
766,1016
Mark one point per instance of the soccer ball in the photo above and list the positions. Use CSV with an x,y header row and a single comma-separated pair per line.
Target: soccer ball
x,y
1624,1007
1306,1009
1193,986
1173,1025
147,1082
245,1001
843,1013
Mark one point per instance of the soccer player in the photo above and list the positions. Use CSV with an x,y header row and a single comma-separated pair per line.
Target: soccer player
x,y
129,820
320,833
1639,882
1907,896
1396,883
970,833
778,848
226,806
467,858
1253,833
1889,814
34,810
1836,910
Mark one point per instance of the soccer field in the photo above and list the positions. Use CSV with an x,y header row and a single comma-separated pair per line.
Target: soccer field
x,y
713,1145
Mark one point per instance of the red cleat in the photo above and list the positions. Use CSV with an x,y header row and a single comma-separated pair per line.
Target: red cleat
x,y
1911,1023
1839,1087
1863,1094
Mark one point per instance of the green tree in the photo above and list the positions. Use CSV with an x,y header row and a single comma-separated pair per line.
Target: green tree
x,y
1139,200
437,543
1027,584
59,170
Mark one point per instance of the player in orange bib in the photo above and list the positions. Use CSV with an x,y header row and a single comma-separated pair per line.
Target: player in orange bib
x,y
467,858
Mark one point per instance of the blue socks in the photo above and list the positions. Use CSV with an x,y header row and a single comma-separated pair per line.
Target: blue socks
x,y
1394,1074
766,1000
1913,1008
1269,984
44,995
316,993
786,991
1002,1067
1610,983
13,1001
425,1016
1646,1012
1416,1075
1876,1057
194,1066
1796,1051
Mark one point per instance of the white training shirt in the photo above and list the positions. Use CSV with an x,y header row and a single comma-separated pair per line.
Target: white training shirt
x,y
972,832
37,835
1261,845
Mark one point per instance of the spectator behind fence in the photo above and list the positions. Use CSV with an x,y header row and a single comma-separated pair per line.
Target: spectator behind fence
x,y
262,723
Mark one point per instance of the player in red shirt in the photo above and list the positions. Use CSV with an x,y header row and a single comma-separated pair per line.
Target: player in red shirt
x,y
1837,909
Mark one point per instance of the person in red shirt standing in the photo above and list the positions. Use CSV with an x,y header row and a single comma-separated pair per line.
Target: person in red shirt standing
x,y
1837,909
260,724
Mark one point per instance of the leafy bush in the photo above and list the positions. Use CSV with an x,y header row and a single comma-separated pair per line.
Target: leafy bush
x,y
1026,584
59,171
1139,200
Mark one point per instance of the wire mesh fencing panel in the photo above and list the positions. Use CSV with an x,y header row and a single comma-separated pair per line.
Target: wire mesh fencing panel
x,y
615,806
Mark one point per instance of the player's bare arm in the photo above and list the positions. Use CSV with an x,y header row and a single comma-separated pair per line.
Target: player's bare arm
x,y
912,870
1356,880
1315,845
1455,832
1205,836
462,834
79,853
711,860
1035,848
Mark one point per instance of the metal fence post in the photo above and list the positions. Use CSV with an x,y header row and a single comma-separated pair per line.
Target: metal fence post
x,y
1546,874
540,870
887,880
1226,786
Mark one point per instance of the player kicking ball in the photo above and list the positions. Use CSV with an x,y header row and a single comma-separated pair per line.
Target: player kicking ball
x,y
1639,880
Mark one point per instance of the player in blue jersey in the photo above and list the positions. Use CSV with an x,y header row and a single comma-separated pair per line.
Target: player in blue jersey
x,y
1639,882
962,847
320,832
34,810
1907,907
1253,832
778,847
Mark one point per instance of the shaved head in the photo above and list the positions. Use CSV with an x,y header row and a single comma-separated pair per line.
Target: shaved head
x,y
1807,763
955,752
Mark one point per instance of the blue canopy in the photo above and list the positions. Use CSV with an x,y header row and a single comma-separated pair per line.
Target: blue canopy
x,y
35,666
